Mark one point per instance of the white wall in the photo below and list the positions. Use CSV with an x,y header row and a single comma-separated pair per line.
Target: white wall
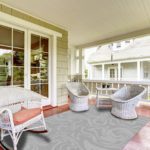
x,y
97,72
129,71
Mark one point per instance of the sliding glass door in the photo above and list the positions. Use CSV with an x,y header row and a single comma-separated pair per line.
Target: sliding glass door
x,y
24,59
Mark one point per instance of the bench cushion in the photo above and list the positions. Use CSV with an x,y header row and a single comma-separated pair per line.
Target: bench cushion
x,y
25,115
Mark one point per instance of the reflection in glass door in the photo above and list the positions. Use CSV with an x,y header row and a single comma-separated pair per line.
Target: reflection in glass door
x,y
11,56
39,64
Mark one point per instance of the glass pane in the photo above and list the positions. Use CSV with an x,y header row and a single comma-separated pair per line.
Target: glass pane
x,y
44,60
18,58
44,75
41,89
5,57
18,75
39,64
5,75
39,59
5,33
35,88
44,90
39,75
18,38
35,75
35,43
44,44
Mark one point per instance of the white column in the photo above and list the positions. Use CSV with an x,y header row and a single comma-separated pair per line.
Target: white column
x,y
142,71
119,71
103,71
138,70
80,61
90,72
53,75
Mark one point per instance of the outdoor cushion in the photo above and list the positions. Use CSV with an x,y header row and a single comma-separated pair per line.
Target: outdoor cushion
x,y
25,115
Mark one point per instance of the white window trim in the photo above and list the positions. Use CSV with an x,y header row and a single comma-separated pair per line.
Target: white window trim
x,y
15,22
115,67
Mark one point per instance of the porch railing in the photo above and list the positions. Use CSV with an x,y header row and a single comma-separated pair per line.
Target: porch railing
x,y
92,84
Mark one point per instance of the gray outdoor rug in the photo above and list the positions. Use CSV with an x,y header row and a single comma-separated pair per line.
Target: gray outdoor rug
x,y
91,130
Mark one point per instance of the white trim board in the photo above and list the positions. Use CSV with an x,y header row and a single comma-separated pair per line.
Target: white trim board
x,y
28,25
123,61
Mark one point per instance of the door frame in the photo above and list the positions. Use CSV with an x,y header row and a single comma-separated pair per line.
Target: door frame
x,y
30,32
115,68
29,26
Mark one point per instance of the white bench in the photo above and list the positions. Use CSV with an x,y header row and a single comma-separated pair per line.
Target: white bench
x,y
20,110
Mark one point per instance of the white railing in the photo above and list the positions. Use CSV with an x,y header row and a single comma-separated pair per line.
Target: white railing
x,y
92,84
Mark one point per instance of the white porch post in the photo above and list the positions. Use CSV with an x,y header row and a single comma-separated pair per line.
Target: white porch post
x,y
90,72
80,61
119,71
103,71
142,71
138,70
54,72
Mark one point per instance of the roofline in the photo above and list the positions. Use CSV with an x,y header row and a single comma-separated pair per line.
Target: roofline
x,y
127,36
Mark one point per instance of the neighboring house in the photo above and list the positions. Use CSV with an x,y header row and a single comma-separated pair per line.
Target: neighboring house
x,y
126,60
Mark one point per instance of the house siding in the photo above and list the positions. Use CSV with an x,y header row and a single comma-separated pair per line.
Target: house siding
x,y
62,50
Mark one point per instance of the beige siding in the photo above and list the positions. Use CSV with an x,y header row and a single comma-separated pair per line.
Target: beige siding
x,y
62,47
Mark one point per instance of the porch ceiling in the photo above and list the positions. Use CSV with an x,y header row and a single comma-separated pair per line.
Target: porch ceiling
x,y
90,20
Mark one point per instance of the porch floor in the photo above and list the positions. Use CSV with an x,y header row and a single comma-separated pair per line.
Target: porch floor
x,y
142,109
139,142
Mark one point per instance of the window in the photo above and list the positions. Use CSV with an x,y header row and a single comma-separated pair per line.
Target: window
x,y
118,45
112,73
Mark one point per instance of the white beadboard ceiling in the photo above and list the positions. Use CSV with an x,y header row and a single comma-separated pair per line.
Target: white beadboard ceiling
x,y
89,20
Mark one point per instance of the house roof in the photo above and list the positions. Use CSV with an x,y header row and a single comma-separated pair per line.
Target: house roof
x,y
139,48
90,20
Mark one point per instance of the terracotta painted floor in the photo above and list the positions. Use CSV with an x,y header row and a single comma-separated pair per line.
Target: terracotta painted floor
x,y
141,141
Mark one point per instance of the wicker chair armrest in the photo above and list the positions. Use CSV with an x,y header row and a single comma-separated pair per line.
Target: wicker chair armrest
x,y
9,114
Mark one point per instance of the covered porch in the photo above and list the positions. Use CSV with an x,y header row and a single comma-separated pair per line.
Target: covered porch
x,y
42,47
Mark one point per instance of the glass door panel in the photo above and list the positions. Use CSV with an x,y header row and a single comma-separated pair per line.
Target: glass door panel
x,y
5,76
18,76
6,36
11,56
39,64
18,57
18,39
44,89
5,55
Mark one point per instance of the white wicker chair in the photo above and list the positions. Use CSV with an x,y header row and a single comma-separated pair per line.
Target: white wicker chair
x,y
12,99
78,94
124,101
